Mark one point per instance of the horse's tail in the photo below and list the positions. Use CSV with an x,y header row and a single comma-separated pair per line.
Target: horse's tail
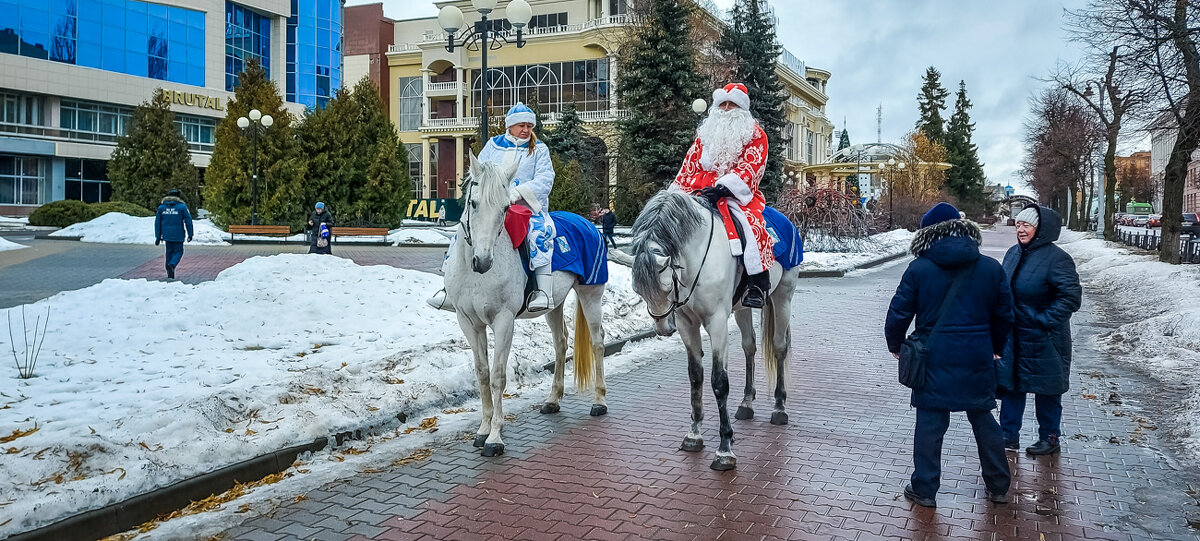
x,y
584,358
770,361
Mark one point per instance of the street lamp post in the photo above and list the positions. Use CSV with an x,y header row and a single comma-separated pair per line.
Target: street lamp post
x,y
450,18
889,179
259,121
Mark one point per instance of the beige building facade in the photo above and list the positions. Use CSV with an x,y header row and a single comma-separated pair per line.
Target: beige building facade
x,y
570,56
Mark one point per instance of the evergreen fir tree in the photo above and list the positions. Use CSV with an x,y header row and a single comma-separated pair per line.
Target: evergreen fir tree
x,y
965,179
844,141
931,101
750,39
570,192
354,160
383,197
152,158
657,82
282,169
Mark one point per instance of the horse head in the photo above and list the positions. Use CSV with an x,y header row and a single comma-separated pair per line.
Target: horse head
x,y
661,235
487,203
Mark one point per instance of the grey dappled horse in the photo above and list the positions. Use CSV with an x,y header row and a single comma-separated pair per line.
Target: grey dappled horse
x,y
682,266
485,281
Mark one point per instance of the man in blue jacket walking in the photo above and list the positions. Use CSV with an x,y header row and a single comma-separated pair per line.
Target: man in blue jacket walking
x,y
173,224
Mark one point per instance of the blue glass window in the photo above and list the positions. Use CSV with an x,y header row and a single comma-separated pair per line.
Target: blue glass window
x,y
126,36
314,51
247,36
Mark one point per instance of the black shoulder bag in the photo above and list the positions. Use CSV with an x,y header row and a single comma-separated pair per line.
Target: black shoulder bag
x,y
914,351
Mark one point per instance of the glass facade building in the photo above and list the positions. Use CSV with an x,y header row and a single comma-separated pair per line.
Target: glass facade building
x,y
247,37
72,72
124,36
314,51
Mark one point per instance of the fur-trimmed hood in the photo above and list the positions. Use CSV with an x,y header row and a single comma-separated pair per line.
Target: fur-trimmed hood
x,y
949,244
172,200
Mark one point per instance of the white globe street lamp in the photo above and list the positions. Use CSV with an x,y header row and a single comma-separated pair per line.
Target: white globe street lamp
x,y
259,122
476,38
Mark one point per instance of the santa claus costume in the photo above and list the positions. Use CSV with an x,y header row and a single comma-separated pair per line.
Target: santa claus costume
x,y
725,164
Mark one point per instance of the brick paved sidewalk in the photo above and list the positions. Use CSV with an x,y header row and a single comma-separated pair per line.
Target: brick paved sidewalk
x,y
834,473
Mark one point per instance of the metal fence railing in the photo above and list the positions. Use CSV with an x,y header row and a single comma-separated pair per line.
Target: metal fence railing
x,y
1189,247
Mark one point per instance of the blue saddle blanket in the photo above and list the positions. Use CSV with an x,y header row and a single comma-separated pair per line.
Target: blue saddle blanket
x,y
578,248
789,247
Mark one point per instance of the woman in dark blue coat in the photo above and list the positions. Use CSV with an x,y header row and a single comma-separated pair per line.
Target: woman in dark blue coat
x,y
1046,292
960,368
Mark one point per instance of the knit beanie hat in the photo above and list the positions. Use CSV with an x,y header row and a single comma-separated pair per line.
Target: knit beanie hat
x,y
941,212
1029,216
518,114
320,205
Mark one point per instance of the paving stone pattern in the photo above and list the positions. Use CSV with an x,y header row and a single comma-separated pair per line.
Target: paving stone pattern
x,y
835,472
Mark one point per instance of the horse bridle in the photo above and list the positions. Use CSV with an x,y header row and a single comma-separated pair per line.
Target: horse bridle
x,y
675,268
466,222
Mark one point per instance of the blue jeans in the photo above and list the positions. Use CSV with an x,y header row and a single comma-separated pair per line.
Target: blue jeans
x,y
1047,406
927,451
174,253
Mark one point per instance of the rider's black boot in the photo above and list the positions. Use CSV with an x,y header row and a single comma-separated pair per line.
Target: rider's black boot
x,y
757,291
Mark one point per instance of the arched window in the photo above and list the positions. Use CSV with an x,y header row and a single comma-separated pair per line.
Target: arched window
x,y
410,103
540,81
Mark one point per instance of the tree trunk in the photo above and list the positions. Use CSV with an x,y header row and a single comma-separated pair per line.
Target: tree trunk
x,y
1091,194
1175,175
1072,215
1110,186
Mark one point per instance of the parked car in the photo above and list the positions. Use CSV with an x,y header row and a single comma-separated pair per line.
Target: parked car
x,y
1141,220
1190,224
1154,220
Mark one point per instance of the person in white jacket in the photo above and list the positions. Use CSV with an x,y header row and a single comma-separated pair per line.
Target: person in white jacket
x,y
530,187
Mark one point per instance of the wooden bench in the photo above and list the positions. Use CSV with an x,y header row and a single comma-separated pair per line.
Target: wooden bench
x,y
281,231
381,232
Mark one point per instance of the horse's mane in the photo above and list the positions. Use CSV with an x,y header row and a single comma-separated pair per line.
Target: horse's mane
x,y
491,185
666,222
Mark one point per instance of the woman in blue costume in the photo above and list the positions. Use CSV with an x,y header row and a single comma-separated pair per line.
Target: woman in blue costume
x,y
530,187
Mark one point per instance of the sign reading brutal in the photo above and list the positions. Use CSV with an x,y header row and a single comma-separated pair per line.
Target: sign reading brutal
x,y
191,99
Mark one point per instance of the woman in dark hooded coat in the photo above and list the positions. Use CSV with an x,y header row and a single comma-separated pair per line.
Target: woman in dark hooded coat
x,y
1037,360
960,367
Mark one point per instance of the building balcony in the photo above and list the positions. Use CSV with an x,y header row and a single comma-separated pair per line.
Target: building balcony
x,y
470,124
433,38
434,90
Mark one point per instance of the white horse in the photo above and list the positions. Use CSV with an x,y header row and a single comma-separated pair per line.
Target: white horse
x,y
682,267
485,281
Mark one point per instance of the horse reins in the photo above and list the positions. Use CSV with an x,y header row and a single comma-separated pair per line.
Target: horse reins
x,y
675,304
466,222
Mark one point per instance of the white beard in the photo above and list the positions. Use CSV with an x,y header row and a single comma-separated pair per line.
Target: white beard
x,y
723,135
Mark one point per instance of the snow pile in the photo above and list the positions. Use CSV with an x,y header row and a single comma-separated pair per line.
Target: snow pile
x,y
143,383
6,245
874,247
419,235
120,228
1160,303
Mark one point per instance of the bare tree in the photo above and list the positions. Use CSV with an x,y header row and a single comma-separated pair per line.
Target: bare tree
x,y
1063,134
1161,38
1114,97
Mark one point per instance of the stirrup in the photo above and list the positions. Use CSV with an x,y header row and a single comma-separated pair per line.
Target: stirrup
x,y
539,302
754,298
439,301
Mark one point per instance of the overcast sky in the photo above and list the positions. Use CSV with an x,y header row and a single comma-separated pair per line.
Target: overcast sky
x,y
877,51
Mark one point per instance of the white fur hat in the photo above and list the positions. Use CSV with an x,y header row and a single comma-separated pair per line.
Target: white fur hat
x,y
1029,216
734,92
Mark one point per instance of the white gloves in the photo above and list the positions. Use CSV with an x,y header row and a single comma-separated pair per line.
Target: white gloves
x,y
514,195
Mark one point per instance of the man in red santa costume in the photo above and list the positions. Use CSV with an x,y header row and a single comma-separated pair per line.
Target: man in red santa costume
x,y
725,166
